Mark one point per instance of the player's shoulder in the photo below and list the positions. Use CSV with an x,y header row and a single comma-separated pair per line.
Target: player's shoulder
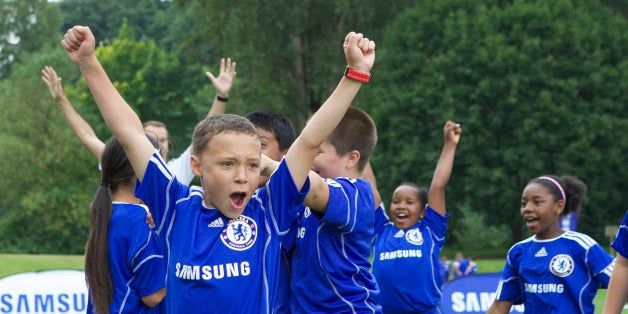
x,y
579,239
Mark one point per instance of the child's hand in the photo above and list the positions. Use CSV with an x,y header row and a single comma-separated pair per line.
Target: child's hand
x,y
359,51
452,132
225,78
79,44
49,76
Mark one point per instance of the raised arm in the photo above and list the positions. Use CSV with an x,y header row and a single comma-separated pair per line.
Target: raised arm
x,y
79,126
222,85
360,55
79,44
436,196
369,176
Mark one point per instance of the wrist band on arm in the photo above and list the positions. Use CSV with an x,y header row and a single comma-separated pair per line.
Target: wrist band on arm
x,y
357,75
223,99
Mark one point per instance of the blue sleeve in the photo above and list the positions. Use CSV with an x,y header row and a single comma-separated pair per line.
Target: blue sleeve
x,y
146,258
601,265
381,219
620,244
283,199
160,191
436,223
347,199
509,288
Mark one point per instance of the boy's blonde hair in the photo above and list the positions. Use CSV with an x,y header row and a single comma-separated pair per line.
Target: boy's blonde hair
x,y
214,125
356,131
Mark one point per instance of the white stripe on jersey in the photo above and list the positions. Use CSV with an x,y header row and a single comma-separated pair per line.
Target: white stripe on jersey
x,y
161,164
318,253
582,239
355,212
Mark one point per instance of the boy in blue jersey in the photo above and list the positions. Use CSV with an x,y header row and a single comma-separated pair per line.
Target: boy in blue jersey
x,y
617,294
553,271
407,248
330,261
222,239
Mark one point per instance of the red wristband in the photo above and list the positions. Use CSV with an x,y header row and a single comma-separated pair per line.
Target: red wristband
x,y
357,75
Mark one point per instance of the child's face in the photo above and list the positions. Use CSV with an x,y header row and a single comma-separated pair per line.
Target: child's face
x,y
328,163
405,207
541,211
270,148
229,169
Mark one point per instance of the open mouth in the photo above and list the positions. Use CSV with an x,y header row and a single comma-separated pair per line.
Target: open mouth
x,y
236,200
531,221
401,217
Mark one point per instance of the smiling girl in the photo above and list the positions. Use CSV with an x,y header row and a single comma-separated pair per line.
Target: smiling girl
x,y
407,248
553,271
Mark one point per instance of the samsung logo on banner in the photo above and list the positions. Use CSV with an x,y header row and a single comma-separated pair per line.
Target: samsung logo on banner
x,y
52,291
472,294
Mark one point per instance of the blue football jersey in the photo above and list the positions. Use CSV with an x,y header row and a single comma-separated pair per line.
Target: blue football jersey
x,y
217,264
559,275
330,262
620,244
406,263
282,301
136,260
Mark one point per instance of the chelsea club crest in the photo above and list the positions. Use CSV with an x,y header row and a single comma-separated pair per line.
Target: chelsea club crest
x,y
240,233
561,265
414,236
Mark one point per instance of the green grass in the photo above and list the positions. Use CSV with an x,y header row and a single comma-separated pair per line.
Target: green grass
x,y
19,263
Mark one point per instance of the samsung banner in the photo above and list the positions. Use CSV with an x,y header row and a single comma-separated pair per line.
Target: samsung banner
x,y
472,294
53,291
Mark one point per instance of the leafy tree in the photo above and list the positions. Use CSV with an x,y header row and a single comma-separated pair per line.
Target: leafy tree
x,y
48,178
25,26
475,233
154,83
288,53
149,19
537,87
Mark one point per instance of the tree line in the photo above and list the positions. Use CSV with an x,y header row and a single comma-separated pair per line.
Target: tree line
x,y
539,88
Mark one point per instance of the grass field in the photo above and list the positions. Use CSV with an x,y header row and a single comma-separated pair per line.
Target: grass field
x,y
18,263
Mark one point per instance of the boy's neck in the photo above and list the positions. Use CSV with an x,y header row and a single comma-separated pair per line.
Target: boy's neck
x,y
352,173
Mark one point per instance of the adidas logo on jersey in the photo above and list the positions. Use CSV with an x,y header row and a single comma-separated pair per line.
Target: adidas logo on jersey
x,y
218,223
399,234
542,252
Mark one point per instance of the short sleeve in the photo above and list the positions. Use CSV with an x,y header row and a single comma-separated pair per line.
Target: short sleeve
x,y
349,201
147,259
620,244
601,265
159,190
509,288
284,200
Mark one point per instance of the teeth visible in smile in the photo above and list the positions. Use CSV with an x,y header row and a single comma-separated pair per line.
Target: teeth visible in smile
x,y
402,215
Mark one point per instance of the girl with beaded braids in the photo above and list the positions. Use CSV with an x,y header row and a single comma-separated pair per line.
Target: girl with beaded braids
x,y
124,264
554,271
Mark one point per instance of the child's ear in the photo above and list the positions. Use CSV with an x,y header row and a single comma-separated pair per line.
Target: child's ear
x,y
353,157
196,166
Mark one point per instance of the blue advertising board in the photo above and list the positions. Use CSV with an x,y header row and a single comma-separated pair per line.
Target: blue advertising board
x,y
472,294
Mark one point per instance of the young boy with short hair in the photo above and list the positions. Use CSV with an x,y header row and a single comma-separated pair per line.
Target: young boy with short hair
x,y
222,239
330,262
